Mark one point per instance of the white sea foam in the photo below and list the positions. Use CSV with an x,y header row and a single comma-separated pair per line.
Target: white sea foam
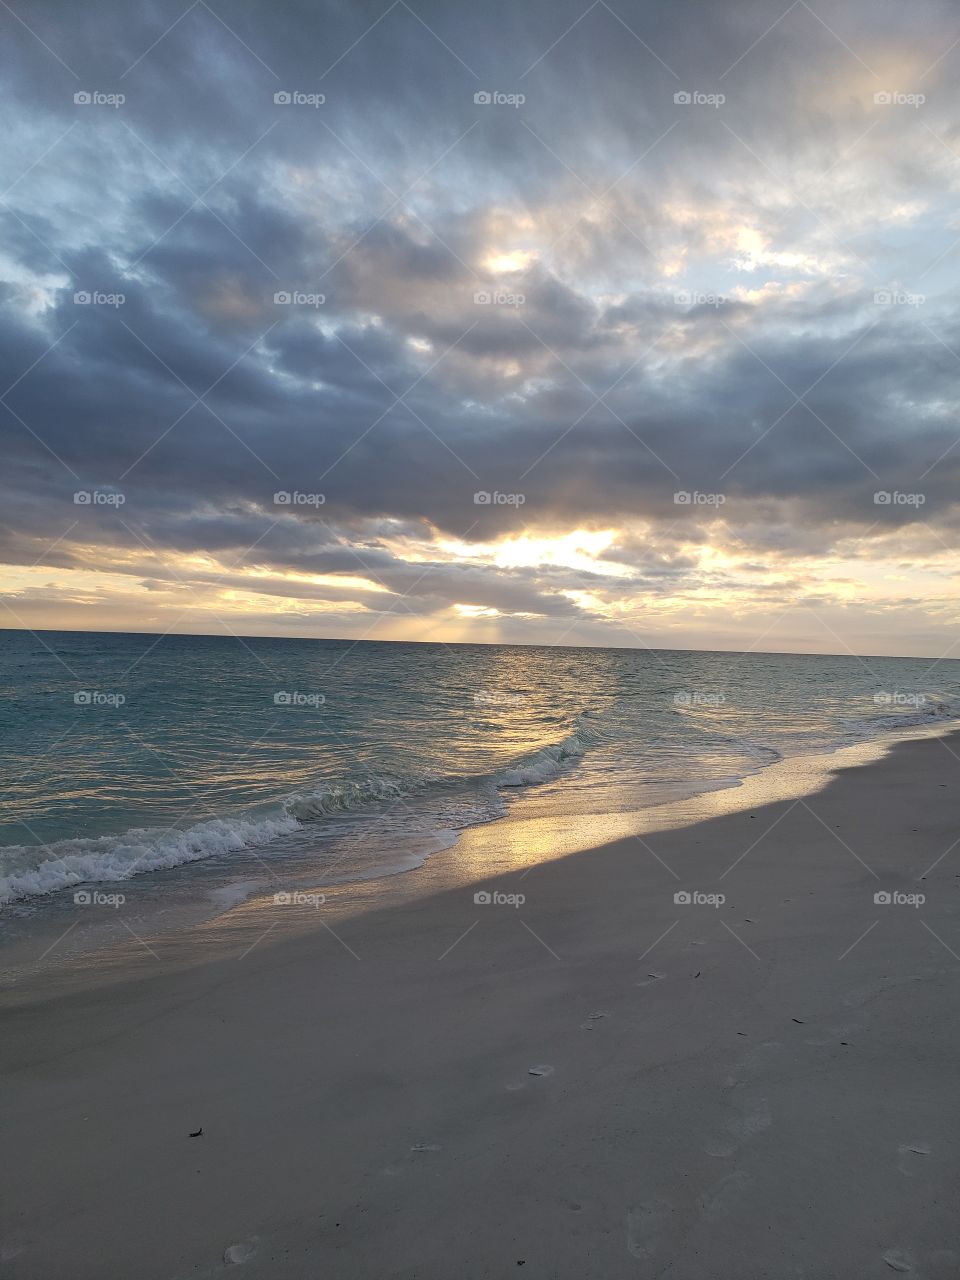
x,y
934,709
27,870
30,870
549,761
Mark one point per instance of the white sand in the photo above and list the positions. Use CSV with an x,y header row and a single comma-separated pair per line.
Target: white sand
x,y
597,1083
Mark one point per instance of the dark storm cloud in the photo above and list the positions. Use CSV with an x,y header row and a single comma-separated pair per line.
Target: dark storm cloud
x,y
613,384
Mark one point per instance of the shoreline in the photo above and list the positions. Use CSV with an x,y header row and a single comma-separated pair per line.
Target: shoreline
x,y
185,910
599,1081
283,826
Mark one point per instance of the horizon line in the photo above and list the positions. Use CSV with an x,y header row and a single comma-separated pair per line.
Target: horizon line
x,y
469,644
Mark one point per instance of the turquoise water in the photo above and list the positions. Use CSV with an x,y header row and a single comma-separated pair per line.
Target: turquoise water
x,y
126,754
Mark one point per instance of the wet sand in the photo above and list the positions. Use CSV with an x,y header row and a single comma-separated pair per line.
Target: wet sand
x,y
598,1081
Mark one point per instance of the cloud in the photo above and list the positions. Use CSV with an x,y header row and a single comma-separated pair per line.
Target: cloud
x,y
593,300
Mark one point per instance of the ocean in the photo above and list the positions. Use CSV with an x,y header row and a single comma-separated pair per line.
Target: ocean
x,y
125,755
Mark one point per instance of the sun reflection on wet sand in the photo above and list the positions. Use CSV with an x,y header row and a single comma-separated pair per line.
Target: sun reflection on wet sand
x,y
512,847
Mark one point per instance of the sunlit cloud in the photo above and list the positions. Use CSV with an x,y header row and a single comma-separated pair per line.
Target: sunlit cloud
x,y
588,304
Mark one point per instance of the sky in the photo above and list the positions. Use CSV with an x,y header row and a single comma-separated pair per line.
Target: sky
x,y
555,323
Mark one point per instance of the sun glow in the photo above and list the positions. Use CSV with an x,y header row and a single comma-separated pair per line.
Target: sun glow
x,y
579,549
476,611
504,263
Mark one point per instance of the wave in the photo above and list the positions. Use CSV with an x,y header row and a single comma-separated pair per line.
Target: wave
x,y
93,859
340,797
549,761
67,863
931,710
28,871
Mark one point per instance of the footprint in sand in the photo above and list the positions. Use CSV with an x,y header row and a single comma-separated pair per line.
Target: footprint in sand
x,y
898,1260
724,1196
651,978
859,996
650,1228
846,1031
754,1063
543,1070
752,1118
237,1254
910,1157
592,1018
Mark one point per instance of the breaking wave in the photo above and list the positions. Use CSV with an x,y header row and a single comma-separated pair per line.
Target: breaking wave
x,y
30,870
